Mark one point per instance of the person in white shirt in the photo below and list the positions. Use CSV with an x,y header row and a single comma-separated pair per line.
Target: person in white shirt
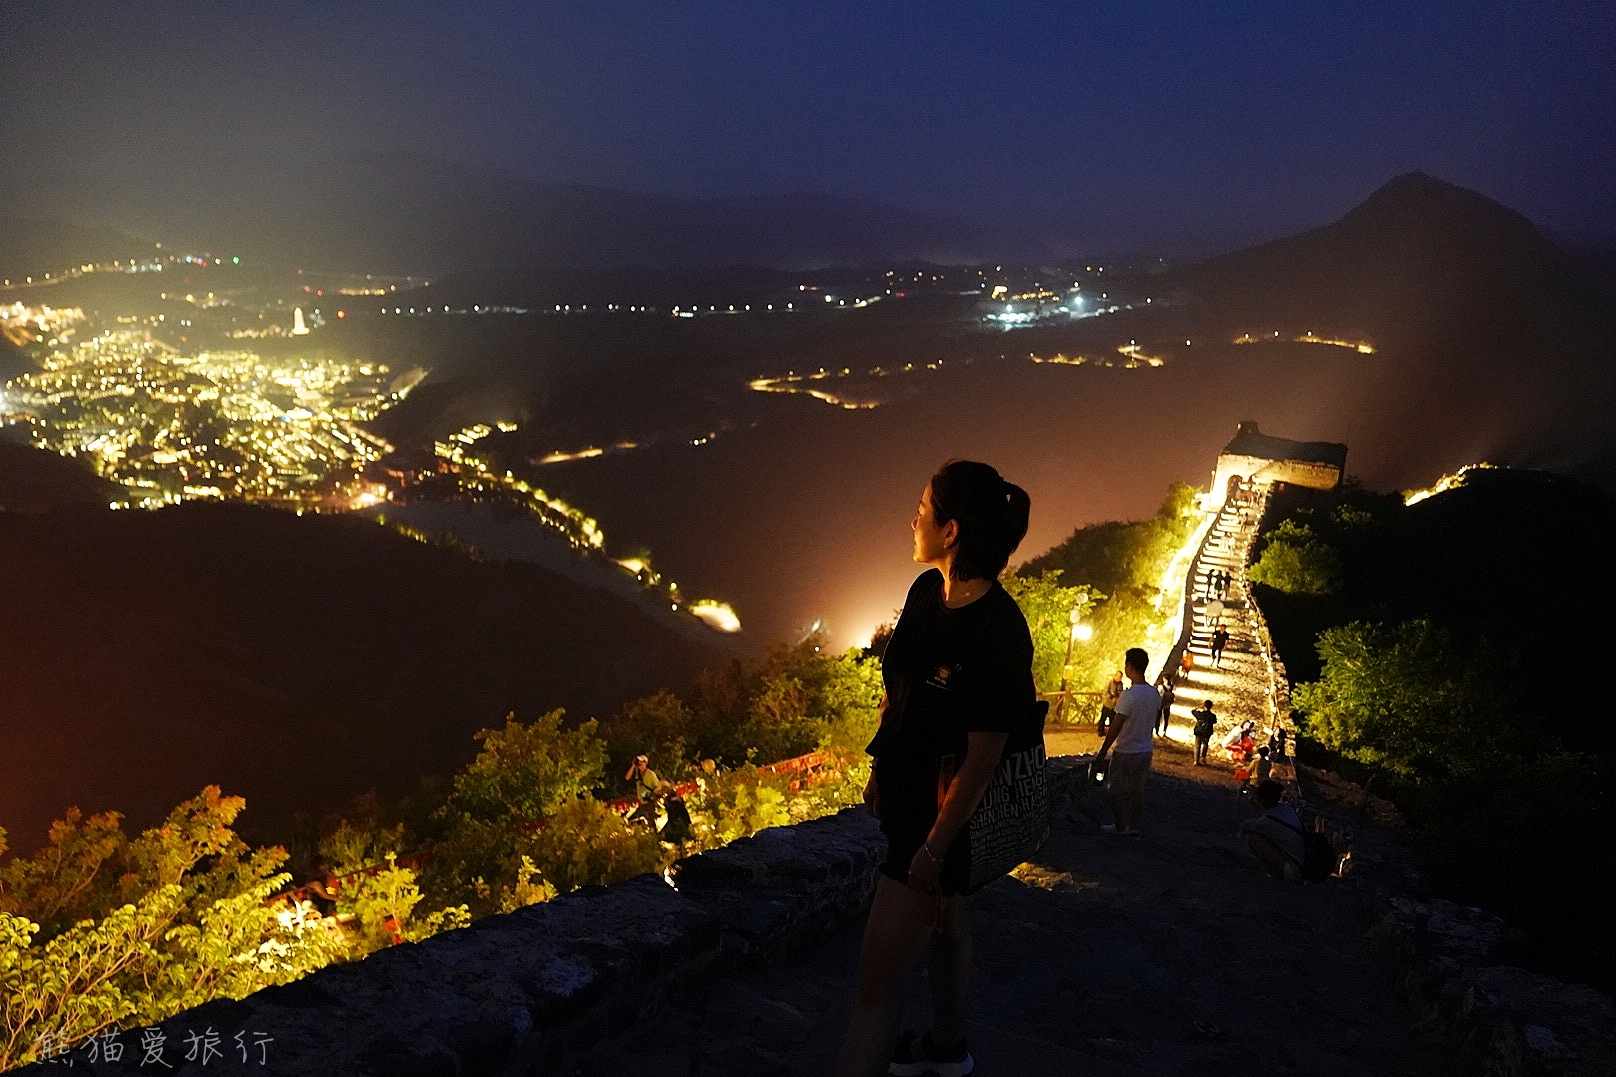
x,y
1131,733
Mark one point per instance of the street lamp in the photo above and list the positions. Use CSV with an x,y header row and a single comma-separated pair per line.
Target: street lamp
x,y
1079,631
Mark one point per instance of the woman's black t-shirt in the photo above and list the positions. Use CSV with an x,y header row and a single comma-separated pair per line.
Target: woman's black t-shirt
x,y
947,673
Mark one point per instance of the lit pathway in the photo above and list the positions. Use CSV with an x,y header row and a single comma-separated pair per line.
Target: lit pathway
x,y
1240,686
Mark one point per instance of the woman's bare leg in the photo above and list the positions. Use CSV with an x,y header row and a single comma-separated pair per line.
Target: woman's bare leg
x,y
950,968
895,936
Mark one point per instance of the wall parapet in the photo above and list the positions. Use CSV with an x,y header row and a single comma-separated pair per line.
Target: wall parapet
x,y
523,993
1500,1019
519,993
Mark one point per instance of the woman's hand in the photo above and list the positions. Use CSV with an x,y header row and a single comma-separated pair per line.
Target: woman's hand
x,y
872,796
923,872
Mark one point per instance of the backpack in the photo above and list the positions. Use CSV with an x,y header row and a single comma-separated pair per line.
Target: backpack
x,y
1319,859
1205,726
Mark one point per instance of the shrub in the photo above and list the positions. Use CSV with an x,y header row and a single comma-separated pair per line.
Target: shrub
x,y
658,725
524,770
1115,557
1408,699
140,930
1120,565
1048,606
795,700
1296,562
97,930
585,843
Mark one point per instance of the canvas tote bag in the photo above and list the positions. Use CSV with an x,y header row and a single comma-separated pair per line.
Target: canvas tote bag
x,y
1011,821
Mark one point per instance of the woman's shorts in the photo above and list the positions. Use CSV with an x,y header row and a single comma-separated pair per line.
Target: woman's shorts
x,y
906,820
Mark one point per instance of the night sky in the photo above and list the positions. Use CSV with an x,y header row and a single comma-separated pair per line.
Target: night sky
x,y
1188,125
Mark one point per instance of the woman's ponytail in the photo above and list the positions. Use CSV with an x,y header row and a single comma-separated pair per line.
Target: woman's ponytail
x,y
1017,513
992,514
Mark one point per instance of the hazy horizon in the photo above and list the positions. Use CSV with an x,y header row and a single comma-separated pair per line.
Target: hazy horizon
x,y
1153,129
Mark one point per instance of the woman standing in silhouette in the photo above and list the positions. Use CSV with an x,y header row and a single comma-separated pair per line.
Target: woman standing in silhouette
x,y
958,676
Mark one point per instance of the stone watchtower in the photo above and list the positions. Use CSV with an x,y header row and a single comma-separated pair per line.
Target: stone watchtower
x,y
1253,456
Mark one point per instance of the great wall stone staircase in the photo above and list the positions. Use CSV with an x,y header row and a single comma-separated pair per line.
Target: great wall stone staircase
x,y
1248,684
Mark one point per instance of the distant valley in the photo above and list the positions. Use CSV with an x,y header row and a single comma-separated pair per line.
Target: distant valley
x,y
767,456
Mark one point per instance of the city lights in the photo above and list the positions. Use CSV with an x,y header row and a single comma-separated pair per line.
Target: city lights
x,y
169,426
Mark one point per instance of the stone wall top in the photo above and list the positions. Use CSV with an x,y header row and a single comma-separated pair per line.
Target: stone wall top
x,y
515,993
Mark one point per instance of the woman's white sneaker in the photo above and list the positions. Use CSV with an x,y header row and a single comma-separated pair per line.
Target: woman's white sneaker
x,y
918,1056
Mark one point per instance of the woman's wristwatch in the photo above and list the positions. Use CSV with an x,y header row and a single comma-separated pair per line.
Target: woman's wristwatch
x,y
936,860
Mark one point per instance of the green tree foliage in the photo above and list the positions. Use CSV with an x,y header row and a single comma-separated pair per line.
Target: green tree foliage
x,y
1118,558
1353,518
1502,783
659,726
777,723
98,930
1048,606
502,836
522,820
499,865
351,847
845,690
744,805
1409,700
796,700
530,889
160,924
738,803
585,843
1120,566
64,882
526,769
1296,562
381,900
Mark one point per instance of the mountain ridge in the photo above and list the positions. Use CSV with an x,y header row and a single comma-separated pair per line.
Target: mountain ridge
x,y
37,245
295,660
404,213
1417,255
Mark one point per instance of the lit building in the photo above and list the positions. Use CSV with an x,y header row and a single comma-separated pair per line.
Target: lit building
x,y
1255,457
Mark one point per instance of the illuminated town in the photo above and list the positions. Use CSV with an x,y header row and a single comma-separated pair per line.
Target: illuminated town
x,y
168,426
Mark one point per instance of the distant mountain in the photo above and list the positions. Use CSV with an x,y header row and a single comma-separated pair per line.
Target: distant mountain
x,y
297,661
31,247
1419,260
1488,335
1484,339
1599,261
411,214
14,362
35,480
